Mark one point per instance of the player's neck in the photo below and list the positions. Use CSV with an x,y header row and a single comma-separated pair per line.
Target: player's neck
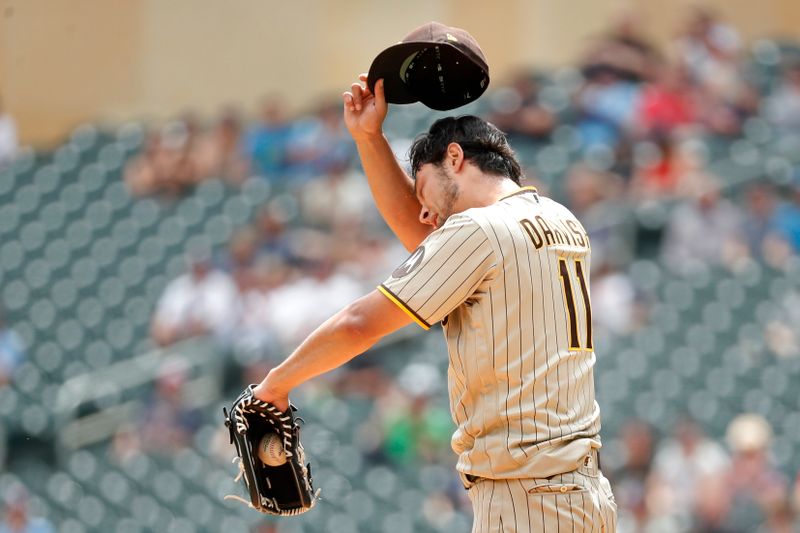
x,y
480,190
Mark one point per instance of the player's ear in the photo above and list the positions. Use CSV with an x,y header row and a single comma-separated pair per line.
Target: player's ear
x,y
455,156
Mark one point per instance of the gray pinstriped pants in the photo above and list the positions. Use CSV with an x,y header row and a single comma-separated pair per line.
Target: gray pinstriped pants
x,y
580,501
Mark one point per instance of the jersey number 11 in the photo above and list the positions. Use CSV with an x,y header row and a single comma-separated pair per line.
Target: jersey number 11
x,y
566,282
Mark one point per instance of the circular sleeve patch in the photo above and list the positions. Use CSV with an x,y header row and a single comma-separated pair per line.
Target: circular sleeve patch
x,y
410,264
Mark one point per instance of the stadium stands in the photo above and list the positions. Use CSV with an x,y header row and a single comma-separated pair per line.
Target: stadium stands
x,y
83,263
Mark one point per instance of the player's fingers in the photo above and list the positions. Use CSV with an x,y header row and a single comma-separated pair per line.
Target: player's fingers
x,y
358,95
380,97
347,99
363,77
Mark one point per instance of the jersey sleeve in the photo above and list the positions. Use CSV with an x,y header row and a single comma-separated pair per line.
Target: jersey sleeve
x,y
443,272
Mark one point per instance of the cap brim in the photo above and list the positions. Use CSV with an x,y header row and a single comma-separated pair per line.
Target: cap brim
x,y
388,66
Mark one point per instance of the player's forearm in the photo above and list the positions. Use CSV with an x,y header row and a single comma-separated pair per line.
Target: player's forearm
x,y
334,343
392,189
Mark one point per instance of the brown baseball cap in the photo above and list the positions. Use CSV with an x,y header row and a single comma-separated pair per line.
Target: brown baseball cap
x,y
440,66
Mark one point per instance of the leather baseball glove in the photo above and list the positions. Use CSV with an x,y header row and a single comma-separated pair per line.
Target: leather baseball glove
x,y
285,489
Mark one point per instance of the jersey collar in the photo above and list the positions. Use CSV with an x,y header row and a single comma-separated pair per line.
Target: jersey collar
x,y
521,190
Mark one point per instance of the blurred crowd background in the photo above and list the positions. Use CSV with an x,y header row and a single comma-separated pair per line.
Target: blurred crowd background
x,y
149,271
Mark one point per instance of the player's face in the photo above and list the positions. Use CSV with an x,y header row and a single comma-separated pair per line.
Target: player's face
x,y
437,192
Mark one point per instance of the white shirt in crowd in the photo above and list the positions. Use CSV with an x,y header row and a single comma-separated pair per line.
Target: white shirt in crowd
x,y
8,139
210,301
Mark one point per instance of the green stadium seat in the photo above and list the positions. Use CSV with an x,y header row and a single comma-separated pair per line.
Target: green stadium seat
x,y
57,254
8,181
171,231
71,525
130,136
27,198
190,212
210,193
397,522
382,482
238,210
43,314
92,178
111,291
119,334
218,229
70,334
84,137
37,274
16,294
66,158
98,353
116,195
47,179
167,486
32,236
129,525
111,156
11,255
82,465
11,216
343,522
74,368
9,400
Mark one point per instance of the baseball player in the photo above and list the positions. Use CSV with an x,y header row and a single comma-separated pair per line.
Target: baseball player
x,y
505,271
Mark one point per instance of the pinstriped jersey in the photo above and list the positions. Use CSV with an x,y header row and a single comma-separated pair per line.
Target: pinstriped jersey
x,y
510,285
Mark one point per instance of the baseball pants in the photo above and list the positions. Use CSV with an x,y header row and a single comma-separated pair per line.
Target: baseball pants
x,y
577,501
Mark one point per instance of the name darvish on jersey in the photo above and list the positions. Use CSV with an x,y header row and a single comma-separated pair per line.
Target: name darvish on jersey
x,y
509,283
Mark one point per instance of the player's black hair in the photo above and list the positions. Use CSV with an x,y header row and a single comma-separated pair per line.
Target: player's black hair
x,y
483,144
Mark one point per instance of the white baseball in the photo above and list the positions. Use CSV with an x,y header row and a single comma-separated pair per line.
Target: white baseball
x,y
270,450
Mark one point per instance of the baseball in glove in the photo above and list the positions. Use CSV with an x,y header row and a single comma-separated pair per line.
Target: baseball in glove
x,y
285,489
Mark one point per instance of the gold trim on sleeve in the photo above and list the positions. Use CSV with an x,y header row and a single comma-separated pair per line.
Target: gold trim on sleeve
x,y
399,303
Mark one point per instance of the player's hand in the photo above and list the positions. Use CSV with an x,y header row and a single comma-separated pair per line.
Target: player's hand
x,y
268,392
364,112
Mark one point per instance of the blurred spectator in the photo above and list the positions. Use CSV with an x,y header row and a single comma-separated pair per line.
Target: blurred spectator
x,y
266,142
717,219
12,351
713,507
167,423
415,430
516,110
782,107
613,300
710,50
273,237
606,106
339,197
165,167
242,252
319,144
595,197
623,49
126,445
681,465
629,478
753,485
667,103
768,219
309,300
414,427
16,516
253,337
200,302
218,153
8,137
668,167
796,494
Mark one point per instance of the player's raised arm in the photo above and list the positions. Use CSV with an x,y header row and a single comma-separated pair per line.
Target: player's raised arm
x,y
391,187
